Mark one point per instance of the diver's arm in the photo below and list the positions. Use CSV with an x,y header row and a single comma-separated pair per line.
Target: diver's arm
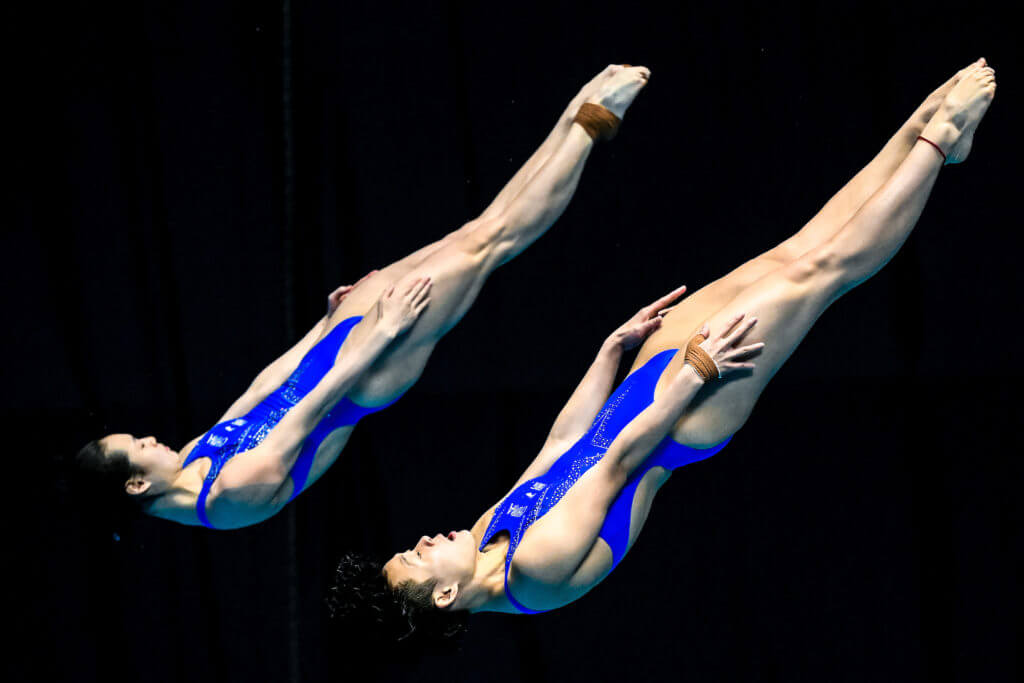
x,y
591,393
277,372
636,441
274,374
270,463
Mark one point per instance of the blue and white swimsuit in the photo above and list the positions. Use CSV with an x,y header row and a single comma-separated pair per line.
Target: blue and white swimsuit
x,y
227,439
532,499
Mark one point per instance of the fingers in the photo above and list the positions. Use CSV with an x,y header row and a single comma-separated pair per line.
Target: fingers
x,y
739,329
731,367
743,351
729,326
661,304
417,293
417,282
652,324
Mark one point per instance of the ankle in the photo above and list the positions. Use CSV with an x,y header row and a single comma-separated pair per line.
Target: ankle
x,y
941,133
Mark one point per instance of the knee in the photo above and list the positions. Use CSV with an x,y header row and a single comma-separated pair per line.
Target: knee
x,y
484,236
821,263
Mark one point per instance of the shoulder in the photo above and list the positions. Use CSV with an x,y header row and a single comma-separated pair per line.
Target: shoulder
x,y
480,526
232,503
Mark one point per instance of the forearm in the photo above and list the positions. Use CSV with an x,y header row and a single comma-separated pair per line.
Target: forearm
x,y
289,434
647,430
276,373
590,394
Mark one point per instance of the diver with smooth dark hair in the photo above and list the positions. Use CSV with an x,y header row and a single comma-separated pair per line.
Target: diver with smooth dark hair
x,y
291,424
581,504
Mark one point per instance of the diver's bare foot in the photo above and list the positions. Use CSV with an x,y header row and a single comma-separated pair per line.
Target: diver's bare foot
x,y
954,123
923,114
591,88
618,91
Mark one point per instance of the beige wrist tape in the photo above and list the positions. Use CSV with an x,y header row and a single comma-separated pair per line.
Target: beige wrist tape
x,y
700,360
599,123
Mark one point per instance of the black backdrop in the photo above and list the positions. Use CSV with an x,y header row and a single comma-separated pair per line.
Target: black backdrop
x,y
193,178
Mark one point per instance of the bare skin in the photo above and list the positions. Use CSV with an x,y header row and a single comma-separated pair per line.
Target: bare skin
x,y
785,290
252,488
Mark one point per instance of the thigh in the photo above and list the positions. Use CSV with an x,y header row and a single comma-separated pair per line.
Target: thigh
x,y
696,308
786,302
458,270
363,297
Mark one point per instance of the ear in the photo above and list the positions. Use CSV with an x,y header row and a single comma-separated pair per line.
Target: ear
x,y
444,597
136,486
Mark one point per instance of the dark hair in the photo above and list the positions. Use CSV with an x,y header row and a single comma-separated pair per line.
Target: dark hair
x,y
96,485
360,601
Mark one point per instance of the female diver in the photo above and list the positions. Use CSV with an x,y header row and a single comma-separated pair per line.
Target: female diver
x,y
295,418
580,505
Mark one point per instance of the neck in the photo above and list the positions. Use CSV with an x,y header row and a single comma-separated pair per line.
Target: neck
x,y
179,499
486,590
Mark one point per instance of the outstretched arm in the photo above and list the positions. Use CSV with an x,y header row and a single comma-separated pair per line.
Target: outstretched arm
x,y
277,372
593,390
564,537
636,441
258,477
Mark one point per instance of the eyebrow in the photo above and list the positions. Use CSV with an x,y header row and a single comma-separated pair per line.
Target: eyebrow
x,y
404,561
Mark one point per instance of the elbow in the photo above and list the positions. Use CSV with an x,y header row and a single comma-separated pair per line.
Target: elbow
x,y
616,467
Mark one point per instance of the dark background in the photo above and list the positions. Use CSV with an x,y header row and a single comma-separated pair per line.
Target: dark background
x,y
192,178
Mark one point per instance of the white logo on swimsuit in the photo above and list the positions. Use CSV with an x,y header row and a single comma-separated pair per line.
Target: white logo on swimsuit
x,y
516,510
537,486
216,441
230,428
238,423
530,494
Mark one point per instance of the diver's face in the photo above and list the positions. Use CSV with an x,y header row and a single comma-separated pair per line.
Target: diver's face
x,y
448,559
159,464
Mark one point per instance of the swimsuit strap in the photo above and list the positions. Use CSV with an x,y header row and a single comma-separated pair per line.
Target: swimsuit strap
x,y
215,467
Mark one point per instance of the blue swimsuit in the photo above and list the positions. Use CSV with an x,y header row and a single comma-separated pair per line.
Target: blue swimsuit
x,y
228,439
532,499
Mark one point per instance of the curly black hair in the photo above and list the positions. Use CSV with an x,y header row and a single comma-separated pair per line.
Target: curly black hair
x,y
95,480
361,602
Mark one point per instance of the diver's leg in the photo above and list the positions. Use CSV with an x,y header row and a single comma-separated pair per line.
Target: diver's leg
x,y
459,268
369,290
551,143
829,220
789,300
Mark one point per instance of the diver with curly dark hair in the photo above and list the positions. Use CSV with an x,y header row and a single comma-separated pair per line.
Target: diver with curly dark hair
x,y
581,504
290,426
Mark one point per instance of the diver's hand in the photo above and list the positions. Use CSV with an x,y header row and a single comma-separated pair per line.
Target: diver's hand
x,y
646,321
724,347
396,313
335,298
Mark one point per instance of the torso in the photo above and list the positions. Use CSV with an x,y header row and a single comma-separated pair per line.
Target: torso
x,y
534,498
236,435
